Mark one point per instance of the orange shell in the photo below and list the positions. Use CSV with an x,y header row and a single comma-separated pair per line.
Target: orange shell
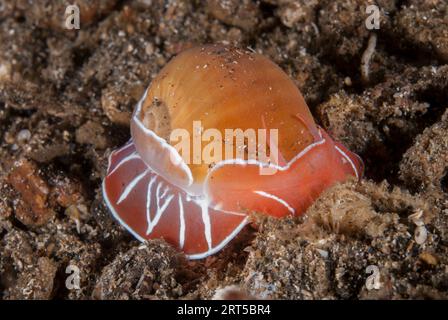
x,y
198,208
224,87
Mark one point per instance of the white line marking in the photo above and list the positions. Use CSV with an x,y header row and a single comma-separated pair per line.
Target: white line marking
x,y
148,200
165,191
182,223
222,244
125,146
132,156
243,162
117,216
274,197
160,209
349,160
131,186
113,153
178,160
207,225
219,207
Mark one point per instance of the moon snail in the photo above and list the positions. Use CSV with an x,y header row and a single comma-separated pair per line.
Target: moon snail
x,y
199,207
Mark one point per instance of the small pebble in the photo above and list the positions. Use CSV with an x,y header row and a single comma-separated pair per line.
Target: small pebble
x,y
23,136
428,258
421,234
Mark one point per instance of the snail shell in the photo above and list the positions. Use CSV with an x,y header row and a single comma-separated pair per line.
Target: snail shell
x,y
200,206
222,88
